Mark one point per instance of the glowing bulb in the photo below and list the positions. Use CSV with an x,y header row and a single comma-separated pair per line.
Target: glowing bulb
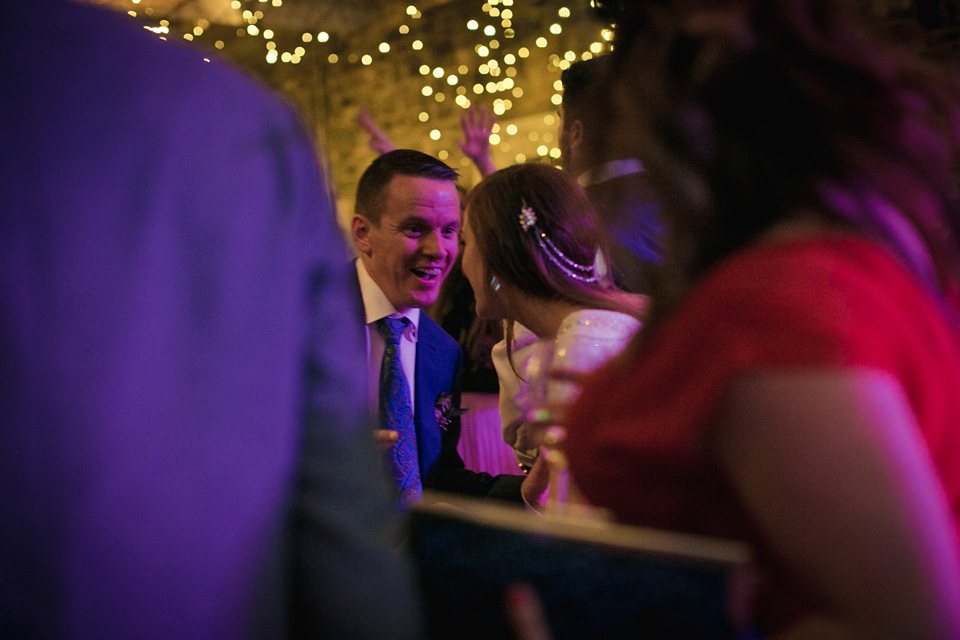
x,y
424,70
541,42
489,30
451,80
435,134
417,45
523,52
366,59
427,90
333,58
384,47
473,25
323,36
424,116
494,138
512,129
272,57
438,72
555,28
307,37
564,12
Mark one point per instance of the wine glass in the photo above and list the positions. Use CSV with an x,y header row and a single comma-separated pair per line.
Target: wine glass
x,y
544,396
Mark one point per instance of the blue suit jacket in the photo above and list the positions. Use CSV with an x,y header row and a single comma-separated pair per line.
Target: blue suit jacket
x,y
437,375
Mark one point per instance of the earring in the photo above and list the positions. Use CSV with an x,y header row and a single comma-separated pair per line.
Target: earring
x,y
494,283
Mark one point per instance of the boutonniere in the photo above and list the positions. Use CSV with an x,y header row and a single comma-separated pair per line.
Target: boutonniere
x,y
445,411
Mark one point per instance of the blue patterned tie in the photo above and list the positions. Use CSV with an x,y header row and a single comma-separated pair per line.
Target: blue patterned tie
x,y
396,413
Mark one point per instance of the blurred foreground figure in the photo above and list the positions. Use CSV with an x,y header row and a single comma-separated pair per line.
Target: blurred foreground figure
x,y
796,382
183,451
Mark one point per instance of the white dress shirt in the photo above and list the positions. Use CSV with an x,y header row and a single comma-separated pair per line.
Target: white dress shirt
x,y
375,307
609,171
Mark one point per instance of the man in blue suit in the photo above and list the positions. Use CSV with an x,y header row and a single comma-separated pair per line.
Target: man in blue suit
x,y
405,228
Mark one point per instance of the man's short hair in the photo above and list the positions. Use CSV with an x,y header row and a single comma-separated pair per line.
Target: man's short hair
x,y
580,81
371,190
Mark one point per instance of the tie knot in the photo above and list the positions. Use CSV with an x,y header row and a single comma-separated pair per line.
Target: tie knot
x,y
392,328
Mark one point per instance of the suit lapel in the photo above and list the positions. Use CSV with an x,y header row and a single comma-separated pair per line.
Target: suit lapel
x,y
431,376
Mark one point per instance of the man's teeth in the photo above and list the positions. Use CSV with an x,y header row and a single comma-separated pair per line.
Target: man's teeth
x,y
432,272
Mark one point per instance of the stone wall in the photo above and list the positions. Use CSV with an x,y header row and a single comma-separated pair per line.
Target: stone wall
x,y
329,93
392,86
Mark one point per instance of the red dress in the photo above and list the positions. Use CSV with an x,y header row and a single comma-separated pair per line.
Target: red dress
x,y
637,436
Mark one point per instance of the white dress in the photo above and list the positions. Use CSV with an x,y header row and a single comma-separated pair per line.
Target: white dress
x,y
585,340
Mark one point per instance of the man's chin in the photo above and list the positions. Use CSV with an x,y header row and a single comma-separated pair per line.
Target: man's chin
x,y
425,298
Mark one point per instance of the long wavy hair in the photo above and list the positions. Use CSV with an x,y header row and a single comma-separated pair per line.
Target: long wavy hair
x,y
747,112
514,255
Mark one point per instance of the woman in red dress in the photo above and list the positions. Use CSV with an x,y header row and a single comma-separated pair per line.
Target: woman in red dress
x,y
797,383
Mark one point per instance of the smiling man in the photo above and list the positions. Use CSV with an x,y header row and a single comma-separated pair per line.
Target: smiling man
x,y
405,228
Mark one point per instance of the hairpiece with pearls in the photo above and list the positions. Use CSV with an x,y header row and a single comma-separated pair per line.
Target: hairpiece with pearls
x,y
528,220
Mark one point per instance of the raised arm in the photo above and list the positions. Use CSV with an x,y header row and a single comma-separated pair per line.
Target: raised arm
x,y
379,141
477,127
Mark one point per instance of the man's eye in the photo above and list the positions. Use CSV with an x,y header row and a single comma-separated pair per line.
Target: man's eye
x,y
413,232
451,232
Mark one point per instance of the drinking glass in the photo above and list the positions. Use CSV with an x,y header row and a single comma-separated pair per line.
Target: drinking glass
x,y
545,396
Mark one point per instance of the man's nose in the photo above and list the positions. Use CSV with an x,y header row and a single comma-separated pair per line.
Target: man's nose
x,y
433,245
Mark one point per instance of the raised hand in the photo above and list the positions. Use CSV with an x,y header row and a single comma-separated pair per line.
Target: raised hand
x,y
477,127
379,141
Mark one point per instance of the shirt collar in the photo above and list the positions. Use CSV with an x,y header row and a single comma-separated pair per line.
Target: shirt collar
x,y
609,171
377,306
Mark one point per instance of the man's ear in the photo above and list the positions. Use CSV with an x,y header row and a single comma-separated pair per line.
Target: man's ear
x,y
360,232
575,135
